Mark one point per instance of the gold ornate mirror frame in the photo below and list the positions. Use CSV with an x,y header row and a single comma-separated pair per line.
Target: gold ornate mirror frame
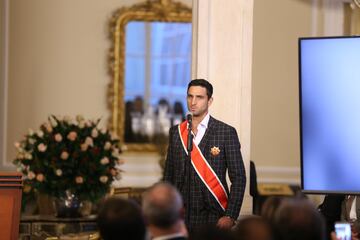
x,y
149,11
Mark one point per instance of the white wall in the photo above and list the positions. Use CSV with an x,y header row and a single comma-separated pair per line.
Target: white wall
x,y
275,146
58,64
57,61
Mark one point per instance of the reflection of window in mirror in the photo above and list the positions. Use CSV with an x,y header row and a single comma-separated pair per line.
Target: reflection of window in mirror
x,y
157,71
351,19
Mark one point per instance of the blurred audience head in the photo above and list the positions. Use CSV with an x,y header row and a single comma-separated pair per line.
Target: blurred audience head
x,y
269,207
121,218
298,219
252,228
211,232
163,210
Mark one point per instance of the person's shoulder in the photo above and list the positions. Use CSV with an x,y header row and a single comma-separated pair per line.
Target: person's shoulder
x,y
221,124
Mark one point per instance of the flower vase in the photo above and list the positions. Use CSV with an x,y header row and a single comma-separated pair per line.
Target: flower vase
x,y
68,206
45,204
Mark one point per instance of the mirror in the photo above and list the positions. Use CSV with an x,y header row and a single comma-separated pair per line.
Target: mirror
x,y
150,62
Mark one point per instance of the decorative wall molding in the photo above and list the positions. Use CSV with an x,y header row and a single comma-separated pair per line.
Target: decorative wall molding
x,y
269,174
4,50
222,54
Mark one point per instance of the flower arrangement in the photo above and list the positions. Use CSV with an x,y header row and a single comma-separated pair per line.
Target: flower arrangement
x,y
69,155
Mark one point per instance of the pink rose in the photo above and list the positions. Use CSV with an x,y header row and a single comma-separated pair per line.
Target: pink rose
x,y
31,175
40,177
64,155
104,179
58,137
42,147
72,136
79,180
17,144
104,161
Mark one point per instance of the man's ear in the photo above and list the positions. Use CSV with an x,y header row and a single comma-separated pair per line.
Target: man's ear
x,y
210,101
182,213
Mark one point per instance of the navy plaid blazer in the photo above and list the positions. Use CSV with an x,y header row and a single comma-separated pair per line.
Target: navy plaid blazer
x,y
204,208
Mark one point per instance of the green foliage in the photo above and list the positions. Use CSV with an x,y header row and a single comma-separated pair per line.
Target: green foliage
x,y
67,154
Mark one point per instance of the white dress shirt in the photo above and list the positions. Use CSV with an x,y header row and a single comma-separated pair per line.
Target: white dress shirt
x,y
201,129
352,213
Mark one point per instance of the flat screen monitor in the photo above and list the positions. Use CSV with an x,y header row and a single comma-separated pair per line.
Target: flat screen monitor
x,y
329,85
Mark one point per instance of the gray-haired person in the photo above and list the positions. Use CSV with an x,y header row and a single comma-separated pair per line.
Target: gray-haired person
x,y
163,211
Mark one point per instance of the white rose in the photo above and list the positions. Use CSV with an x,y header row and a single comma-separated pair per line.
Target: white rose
x,y
58,172
31,132
114,136
107,146
42,147
87,123
89,141
79,118
67,119
104,161
40,133
94,133
115,152
64,155
53,122
31,140
103,131
28,156
104,179
81,124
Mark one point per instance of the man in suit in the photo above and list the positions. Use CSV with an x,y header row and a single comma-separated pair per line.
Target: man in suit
x,y
163,211
216,150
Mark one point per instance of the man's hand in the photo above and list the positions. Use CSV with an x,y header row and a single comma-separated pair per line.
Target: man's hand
x,y
225,222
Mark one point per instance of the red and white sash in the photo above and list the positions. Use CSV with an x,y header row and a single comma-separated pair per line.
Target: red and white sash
x,y
203,169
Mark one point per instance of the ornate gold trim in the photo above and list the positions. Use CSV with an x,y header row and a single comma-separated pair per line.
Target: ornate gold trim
x,y
151,10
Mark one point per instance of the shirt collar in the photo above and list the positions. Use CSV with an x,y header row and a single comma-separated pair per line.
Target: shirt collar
x,y
205,122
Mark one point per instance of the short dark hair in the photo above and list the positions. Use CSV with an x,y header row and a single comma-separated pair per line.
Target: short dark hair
x,y
162,205
298,219
202,83
252,227
121,217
